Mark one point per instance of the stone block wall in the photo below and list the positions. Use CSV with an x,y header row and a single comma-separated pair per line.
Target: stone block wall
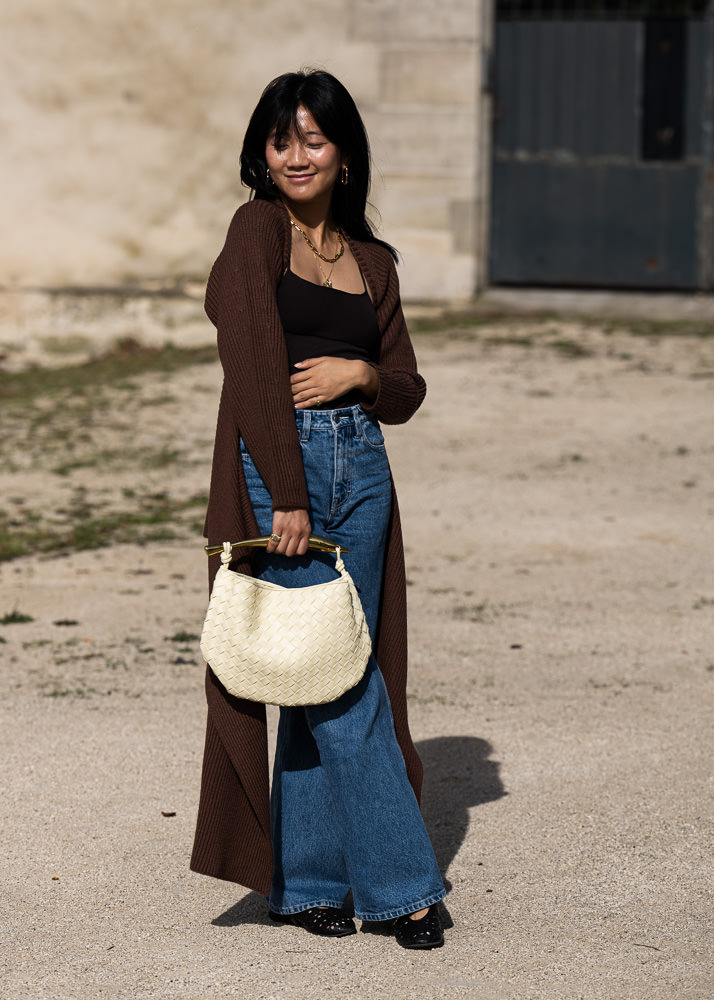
x,y
122,125
427,125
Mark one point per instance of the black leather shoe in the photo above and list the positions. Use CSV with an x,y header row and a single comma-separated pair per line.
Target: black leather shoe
x,y
426,932
323,920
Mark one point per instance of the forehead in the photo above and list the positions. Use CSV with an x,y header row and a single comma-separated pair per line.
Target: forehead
x,y
306,123
303,126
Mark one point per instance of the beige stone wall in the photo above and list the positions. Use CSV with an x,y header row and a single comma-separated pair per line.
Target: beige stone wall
x,y
121,125
427,125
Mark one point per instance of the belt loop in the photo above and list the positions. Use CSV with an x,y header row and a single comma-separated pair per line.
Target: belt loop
x,y
305,429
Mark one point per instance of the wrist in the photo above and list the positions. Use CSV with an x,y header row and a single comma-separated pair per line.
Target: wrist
x,y
369,381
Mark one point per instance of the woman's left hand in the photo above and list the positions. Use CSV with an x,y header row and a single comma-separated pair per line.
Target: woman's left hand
x,y
320,380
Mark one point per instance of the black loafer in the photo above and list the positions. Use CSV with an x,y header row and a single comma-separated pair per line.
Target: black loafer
x,y
323,920
426,932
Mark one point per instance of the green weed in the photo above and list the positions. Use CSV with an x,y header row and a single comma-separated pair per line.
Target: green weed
x,y
182,637
15,617
126,360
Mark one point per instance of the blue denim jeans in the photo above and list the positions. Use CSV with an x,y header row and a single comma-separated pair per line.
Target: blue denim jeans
x,y
343,813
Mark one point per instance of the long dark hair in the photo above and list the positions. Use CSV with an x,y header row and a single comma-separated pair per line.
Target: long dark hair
x,y
334,110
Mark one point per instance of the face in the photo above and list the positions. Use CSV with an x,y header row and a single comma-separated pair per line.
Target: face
x,y
305,166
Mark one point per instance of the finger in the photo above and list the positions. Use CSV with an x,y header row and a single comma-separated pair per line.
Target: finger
x,y
304,387
306,392
311,399
309,362
291,547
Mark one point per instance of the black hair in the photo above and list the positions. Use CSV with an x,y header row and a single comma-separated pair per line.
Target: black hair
x,y
331,105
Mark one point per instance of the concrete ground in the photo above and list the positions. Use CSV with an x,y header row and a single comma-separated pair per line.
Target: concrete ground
x,y
557,491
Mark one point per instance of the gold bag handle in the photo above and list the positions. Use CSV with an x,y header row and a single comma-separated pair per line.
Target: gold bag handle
x,y
315,542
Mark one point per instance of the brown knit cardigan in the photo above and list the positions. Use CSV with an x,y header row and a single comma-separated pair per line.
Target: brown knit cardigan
x,y
232,838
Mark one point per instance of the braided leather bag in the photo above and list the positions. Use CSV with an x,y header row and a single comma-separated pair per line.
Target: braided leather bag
x,y
285,646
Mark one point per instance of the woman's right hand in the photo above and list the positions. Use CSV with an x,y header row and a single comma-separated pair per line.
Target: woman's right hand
x,y
294,528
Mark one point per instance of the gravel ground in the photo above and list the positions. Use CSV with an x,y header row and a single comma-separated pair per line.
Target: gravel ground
x,y
558,496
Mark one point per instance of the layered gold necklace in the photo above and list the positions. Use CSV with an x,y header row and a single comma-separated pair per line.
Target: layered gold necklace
x,y
321,256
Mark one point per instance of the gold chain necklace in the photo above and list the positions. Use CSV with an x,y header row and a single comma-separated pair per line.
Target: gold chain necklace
x,y
328,277
327,260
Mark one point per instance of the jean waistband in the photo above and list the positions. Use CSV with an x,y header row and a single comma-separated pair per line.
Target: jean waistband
x,y
354,416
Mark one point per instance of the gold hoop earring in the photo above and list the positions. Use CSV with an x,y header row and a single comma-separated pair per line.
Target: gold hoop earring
x,y
345,175
268,178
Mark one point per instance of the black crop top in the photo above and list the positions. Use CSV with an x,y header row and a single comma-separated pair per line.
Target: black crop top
x,y
327,322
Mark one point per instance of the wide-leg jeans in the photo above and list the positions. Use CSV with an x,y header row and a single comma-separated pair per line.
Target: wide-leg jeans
x,y
343,813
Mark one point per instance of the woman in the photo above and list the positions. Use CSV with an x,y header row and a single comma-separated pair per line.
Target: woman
x,y
315,352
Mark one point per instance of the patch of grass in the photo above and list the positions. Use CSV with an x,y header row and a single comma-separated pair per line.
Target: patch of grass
x,y
15,617
71,344
661,328
119,458
570,348
162,459
81,526
52,690
127,359
510,341
454,321
703,602
472,613
182,637
94,460
429,699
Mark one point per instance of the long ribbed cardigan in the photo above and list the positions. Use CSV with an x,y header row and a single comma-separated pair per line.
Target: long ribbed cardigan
x,y
232,838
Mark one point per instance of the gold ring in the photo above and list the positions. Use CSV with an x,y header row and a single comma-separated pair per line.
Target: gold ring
x,y
275,538
318,400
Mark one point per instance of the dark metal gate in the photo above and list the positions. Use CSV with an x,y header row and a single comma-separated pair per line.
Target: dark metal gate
x,y
603,149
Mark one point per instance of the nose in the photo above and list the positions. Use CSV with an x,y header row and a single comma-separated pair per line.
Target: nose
x,y
297,155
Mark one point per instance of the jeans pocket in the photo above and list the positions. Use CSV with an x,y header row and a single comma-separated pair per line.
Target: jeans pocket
x,y
372,435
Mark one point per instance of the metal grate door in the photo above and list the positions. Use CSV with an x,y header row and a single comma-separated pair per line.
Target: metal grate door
x,y
603,165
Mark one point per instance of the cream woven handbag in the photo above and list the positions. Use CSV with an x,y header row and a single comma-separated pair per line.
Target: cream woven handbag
x,y
285,646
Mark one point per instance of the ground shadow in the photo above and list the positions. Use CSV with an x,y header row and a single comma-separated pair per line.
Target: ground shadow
x,y
251,909
458,775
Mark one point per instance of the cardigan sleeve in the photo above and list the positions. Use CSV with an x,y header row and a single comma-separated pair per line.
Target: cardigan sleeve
x,y
241,299
401,388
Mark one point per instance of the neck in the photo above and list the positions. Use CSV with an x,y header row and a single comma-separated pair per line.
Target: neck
x,y
316,220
